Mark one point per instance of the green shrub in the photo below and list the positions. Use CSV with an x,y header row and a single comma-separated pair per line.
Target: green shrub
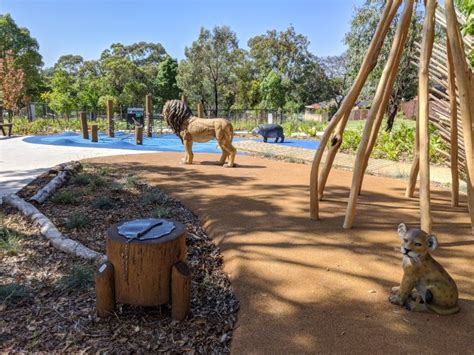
x,y
98,181
9,241
80,277
13,293
76,221
103,203
161,212
81,180
152,198
64,197
132,181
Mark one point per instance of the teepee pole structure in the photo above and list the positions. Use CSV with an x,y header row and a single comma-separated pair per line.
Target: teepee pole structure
x,y
463,78
423,115
453,106
378,105
368,64
336,142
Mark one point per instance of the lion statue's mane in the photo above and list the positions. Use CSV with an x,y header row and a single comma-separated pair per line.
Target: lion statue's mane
x,y
176,114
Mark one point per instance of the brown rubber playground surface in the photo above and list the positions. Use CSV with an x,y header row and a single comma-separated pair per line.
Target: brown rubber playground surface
x,y
310,286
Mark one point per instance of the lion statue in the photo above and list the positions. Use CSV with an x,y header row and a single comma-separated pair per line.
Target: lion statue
x,y
194,129
425,283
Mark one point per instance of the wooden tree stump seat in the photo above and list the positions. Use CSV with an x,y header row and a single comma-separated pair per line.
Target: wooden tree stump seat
x,y
143,268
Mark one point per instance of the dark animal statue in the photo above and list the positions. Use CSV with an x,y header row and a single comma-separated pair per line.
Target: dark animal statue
x,y
269,131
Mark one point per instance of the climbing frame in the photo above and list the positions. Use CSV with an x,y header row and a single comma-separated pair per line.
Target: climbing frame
x,y
452,70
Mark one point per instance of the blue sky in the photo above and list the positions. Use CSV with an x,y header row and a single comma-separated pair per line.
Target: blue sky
x,y
87,27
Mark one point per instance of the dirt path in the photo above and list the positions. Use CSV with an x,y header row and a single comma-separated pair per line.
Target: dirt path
x,y
308,286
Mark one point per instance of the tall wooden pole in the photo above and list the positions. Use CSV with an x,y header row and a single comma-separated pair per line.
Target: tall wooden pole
x,y
200,109
463,76
383,108
148,116
453,130
84,128
415,166
370,60
383,87
110,118
423,115
184,98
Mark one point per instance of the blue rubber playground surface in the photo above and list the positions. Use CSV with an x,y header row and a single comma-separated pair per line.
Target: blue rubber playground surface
x,y
161,143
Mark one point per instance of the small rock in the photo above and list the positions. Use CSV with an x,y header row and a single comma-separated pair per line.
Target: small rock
x,y
372,291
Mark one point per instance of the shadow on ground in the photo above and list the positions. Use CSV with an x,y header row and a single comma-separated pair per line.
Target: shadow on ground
x,y
310,286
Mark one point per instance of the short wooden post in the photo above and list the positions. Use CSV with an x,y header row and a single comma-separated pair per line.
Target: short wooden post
x,y
180,290
110,118
423,115
94,132
139,134
453,129
370,60
200,110
184,98
84,128
105,290
148,116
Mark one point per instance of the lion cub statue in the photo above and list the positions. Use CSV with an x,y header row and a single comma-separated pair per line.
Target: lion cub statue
x,y
194,129
425,283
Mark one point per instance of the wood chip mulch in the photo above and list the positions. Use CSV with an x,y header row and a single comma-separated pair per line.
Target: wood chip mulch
x,y
42,314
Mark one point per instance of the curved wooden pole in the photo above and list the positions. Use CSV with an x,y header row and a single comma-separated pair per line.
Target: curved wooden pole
x,y
336,142
384,105
415,166
423,115
453,130
383,86
370,60
463,76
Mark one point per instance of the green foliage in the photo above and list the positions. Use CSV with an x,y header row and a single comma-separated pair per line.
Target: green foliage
x,y
26,51
397,145
80,277
76,221
363,27
208,73
467,8
152,198
81,179
13,293
132,181
9,241
103,203
161,212
64,197
166,81
308,127
272,92
22,126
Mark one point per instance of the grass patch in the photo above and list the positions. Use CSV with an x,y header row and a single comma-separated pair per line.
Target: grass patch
x,y
161,212
13,293
64,197
76,221
80,277
132,181
81,180
103,203
9,241
97,181
116,187
152,198
104,171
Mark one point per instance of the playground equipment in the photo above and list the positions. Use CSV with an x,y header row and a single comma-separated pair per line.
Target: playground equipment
x,y
457,70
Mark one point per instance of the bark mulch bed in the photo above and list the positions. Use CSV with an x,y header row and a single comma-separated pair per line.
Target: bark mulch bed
x,y
47,298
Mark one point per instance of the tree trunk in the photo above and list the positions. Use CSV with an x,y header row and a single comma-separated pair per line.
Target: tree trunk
x,y
392,112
